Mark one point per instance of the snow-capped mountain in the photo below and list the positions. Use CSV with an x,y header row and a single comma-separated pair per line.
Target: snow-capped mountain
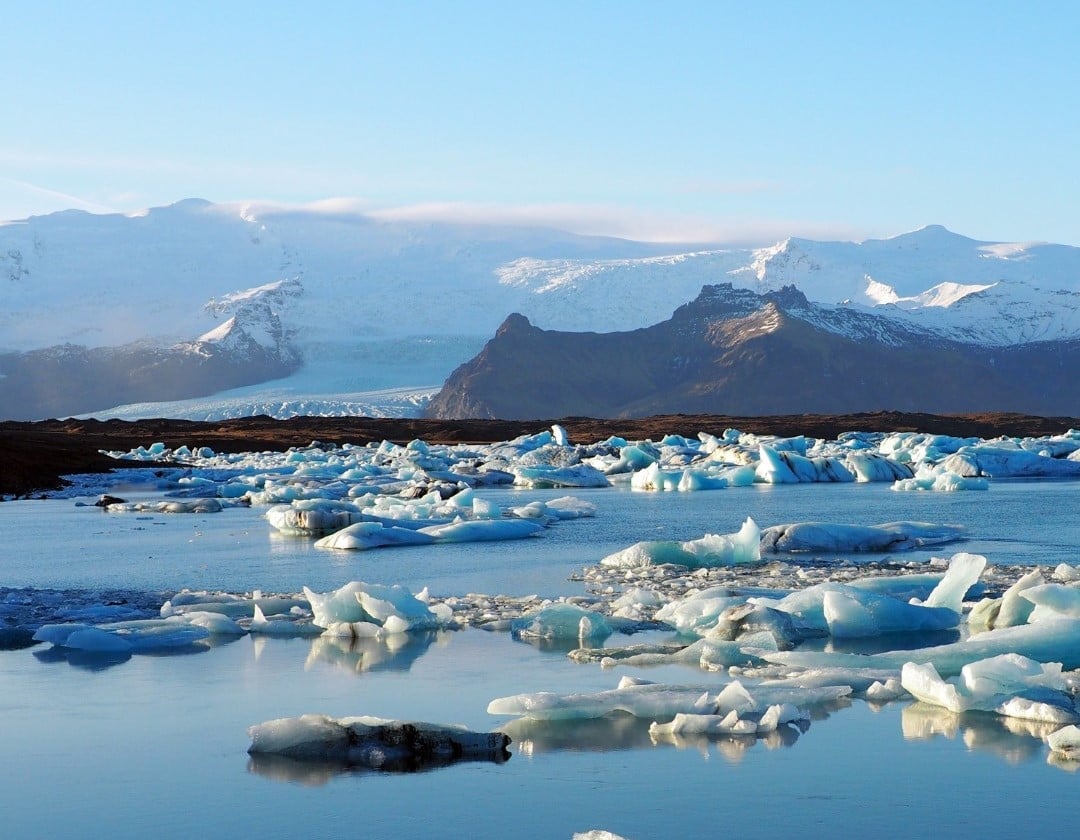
x,y
337,304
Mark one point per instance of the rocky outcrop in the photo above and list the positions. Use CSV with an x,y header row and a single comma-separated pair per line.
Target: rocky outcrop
x,y
732,351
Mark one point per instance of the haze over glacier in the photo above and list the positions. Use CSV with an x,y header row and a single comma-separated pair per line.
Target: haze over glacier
x,y
370,316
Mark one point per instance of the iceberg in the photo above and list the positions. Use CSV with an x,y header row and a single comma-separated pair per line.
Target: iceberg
x,y
1056,640
828,536
366,535
658,701
362,609
711,550
376,743
561,621
1065,742
1009,685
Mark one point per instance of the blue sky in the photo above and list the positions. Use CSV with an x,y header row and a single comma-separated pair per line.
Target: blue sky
x,y
695,121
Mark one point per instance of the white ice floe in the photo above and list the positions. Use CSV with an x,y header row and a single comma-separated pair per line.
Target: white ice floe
x,y
1009,685
373,742
662,702
999,460
542,475
1065,742
710,550
561,621
1056,640
138,636
843,538
362,609
938,480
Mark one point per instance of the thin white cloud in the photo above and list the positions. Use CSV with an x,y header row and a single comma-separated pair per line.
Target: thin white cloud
x,y
49,200
629,223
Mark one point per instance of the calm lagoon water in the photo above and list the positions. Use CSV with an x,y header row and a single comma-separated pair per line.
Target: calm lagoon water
x,y
156,746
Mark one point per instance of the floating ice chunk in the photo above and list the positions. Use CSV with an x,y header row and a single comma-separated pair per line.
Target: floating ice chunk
x,y
170,506
996,461
653,478
662,702
569,507
699,612
561,621
482,530
82,637
187,602
737,622
1009,685
777,466
367,535
940,482
341,605
841,538
772,468
711,550
730,724
648,700
1066,742
963,572
1053,599
1066,573
134,636
281,625
854,614
540,476
375,742
215,623
312,517
869,466
1056,640
1014,608
362,609
398,610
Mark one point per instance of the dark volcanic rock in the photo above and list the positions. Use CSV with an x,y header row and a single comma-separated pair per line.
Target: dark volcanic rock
x,y
70,379
732,351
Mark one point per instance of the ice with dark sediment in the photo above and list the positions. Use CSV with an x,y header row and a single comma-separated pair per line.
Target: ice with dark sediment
x,y
376,743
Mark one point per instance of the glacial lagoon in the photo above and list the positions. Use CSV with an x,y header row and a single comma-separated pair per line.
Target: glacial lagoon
x,y
156,744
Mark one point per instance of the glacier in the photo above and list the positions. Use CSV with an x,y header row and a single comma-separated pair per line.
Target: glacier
x,y
271,273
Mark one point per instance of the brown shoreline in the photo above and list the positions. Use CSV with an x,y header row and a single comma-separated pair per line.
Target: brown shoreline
x,y
33,456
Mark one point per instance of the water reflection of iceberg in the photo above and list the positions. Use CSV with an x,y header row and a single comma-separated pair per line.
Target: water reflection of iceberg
x,y
280,768
395,652
1011,739
621,731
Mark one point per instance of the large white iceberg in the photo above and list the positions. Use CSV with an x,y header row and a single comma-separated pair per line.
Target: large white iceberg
x,y
1009,685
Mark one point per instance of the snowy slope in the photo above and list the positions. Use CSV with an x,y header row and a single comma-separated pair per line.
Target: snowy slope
x,y
371,305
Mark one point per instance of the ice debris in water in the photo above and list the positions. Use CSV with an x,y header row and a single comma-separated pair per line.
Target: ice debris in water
x,y
362,609
649,700
711,550
841,538
561,621
1065,742
1009,685
376,743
